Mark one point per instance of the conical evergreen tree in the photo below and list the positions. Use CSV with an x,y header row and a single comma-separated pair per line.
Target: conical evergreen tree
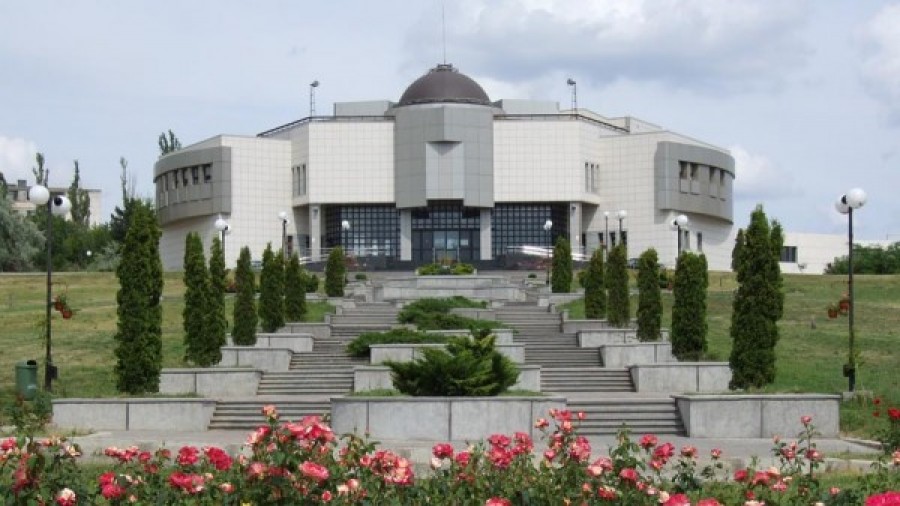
x,y
217,322
139,330
649,312
736,251
245,319
271,291
196,292
595,288
335,272
294,291
756,307
618,309
689,326
561,274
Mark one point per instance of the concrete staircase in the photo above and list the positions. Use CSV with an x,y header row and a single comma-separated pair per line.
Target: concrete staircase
x,y
246,415
641,415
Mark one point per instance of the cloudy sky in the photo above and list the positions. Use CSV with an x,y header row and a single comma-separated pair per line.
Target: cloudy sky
x,y
806,94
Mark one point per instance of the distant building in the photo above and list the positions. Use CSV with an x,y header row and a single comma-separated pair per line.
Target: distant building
x,y
813,253
18,194
446,173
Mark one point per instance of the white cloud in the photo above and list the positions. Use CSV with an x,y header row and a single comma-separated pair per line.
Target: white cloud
x,y
881,59
714,44
16,158
759,179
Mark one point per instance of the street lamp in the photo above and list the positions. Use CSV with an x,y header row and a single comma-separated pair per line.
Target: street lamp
x,y
60,206
283,216
853,199
548,225
312,98
621,216
678,223
224,228
606,234
345,242
571,82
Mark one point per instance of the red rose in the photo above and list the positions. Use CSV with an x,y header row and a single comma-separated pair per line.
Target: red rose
x,y
314,471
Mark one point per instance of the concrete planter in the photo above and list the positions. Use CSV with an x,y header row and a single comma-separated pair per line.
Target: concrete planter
x,y
133,414
293,342
603,337
267,359
503,336
403,352
574,326
681,377
436,419
210,382
624,355
473,287
377,377
475,313
317,330
757,416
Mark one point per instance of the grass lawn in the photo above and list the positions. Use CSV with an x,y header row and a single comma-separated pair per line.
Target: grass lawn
x,y
812,348
83,347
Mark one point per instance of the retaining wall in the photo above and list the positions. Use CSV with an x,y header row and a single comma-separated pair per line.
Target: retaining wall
x,y
681,377
267,359
210,382
758,416
624,355
134,414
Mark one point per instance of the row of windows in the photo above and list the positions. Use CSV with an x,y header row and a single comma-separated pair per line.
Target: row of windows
x,y
299,175
690,175
185,176
371,230
789,254
515,225
446,215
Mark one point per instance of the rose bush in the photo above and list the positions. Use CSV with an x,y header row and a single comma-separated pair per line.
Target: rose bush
x,y
304,462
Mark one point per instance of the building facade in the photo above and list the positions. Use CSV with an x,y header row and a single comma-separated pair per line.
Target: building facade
x,y
447,174
18,194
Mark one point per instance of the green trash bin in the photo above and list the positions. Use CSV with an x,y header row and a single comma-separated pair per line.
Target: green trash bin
x,y
26,379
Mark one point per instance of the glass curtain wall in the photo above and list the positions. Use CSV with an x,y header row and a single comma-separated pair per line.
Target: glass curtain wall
x,y
516,225
445,232
374,230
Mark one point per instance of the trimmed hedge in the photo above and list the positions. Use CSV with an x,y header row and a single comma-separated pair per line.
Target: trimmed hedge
x,y
458,269
360,347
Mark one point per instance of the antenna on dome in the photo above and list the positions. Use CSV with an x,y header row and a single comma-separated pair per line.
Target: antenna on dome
x,y
444,31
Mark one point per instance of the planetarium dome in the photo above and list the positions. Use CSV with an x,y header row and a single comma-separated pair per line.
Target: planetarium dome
x,y
444,84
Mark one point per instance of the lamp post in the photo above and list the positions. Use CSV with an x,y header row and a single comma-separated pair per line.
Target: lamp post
x,y
853,199
605,235
548,225
283,216
312,98
621,216
571,82
59,205
678,223
223,227
345,240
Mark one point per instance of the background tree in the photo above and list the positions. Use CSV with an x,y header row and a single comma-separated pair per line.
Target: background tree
x,y
41,175
736,251
168,144
776,239
294,291
756,307
689,327
243,332
81,202
595,287
271,291
335,272
118,222
217,322
20,239
561,274
196,308
649,311
869,260
618,309
139,330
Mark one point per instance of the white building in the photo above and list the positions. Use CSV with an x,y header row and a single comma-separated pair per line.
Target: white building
x,y
18,194
447,173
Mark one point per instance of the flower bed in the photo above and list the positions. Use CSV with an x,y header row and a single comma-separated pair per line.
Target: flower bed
x,y
306,463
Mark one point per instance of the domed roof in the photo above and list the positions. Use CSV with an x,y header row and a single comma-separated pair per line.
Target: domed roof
x,y
444,84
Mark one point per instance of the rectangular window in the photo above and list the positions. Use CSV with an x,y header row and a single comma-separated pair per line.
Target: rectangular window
x,y
207,177
683,170
612,239
184,176
587,177
687,240
694,171
789,254
625,237
700,242
175,178
195,175
713,191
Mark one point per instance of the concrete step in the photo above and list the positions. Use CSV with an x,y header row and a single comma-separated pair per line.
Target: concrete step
x,y
639,415
247,415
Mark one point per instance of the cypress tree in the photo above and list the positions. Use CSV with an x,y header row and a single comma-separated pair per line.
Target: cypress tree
x,y
196,291
335,271
271,291
689,324
245,319
294,291
736,251
217,322
595,288
561,275
139,328
756,307
618,310
776,238
649,312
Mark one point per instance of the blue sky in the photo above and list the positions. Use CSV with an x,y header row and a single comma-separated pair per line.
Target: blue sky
x,y
806,94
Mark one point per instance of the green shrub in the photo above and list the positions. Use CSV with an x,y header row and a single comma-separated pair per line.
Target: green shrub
x,y
335,273
594,284
415,310
360,276
294,291
312,282
561,270
271,291
196,297
618,310
245,319
436,269
689,325
532,275
469,367
649,312
359,347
